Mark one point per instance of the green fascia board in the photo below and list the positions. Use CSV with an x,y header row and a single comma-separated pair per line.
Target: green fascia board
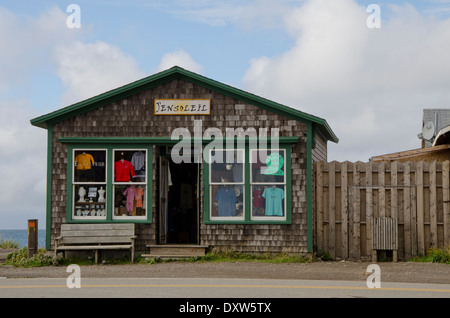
x,y
180,73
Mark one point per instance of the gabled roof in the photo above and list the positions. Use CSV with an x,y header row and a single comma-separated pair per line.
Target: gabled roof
x,y
168,75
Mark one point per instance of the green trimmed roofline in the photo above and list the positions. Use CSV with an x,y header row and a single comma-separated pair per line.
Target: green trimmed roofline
x,y
168,75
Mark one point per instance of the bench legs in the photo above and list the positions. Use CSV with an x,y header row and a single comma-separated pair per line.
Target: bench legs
x,y
62,251
97,251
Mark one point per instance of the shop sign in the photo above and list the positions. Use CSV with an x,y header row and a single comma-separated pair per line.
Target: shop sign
x,y
182,106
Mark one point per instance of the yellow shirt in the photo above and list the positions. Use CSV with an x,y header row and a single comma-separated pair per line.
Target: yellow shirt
x,y
84,161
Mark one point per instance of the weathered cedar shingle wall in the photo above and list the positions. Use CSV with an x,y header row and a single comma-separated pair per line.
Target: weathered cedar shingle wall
x,y
133,117
319,153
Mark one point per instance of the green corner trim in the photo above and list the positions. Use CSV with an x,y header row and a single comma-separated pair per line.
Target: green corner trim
x,y
48,214
309,188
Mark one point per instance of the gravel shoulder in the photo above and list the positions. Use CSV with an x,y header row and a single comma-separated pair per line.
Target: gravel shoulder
x,y
343,270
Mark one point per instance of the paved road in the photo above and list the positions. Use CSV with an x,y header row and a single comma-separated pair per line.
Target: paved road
x,y
212,288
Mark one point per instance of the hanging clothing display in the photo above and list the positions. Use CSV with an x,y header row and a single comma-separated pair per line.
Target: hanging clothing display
x,y
131,194
84,161
258,199
226,201
238,172
138,160
139,195
124,171
274,201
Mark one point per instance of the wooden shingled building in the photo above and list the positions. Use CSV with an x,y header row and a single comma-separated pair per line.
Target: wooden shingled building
x,y
189,161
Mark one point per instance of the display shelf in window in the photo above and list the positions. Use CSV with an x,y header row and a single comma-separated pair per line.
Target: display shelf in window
x,y
90,209
90,201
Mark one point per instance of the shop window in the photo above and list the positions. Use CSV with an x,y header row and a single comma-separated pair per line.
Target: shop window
x,y
130,183
227,195
248,185
268,184
89,184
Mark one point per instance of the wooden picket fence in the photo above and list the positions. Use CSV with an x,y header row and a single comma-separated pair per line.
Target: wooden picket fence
x,y
348,196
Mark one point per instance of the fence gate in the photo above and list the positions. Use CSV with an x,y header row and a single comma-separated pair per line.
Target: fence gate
x,y
373,213
384,236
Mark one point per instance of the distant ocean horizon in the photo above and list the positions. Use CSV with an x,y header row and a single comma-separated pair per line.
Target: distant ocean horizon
x,y
21,237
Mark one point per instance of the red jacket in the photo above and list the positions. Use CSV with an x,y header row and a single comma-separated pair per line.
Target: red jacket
x,y
124,169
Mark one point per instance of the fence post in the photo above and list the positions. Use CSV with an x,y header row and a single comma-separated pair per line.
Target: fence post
x,y
344,210
319,206
407,211
32,237
332,209
446,201
420,209
433,207
356,221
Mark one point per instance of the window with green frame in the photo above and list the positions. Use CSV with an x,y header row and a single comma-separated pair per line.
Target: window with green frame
x,y
247,185
109,184
89,184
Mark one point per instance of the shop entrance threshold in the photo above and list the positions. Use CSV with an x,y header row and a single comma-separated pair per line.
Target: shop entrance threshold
x,y
175,251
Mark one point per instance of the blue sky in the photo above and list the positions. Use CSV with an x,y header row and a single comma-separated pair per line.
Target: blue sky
x,y
319,56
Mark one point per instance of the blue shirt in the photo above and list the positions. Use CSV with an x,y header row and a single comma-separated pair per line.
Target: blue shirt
x,y
226,200
274,201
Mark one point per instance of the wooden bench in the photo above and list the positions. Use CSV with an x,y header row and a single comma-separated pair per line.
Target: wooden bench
x,y
95,237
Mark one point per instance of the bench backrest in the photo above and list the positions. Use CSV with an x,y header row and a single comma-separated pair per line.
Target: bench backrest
x,y
96,233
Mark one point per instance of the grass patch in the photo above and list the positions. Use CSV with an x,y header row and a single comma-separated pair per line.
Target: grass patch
x,y
235,256
20,258
8,244
434,255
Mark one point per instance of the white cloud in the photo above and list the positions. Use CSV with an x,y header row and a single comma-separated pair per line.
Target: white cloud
x,y
179,58
25,49
89,69
258,14
23,158
371,85
28,46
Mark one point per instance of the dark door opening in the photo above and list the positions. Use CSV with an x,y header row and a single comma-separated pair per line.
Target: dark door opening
x,y
179,210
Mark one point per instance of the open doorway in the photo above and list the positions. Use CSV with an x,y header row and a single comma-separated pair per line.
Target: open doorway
x,y
179,199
